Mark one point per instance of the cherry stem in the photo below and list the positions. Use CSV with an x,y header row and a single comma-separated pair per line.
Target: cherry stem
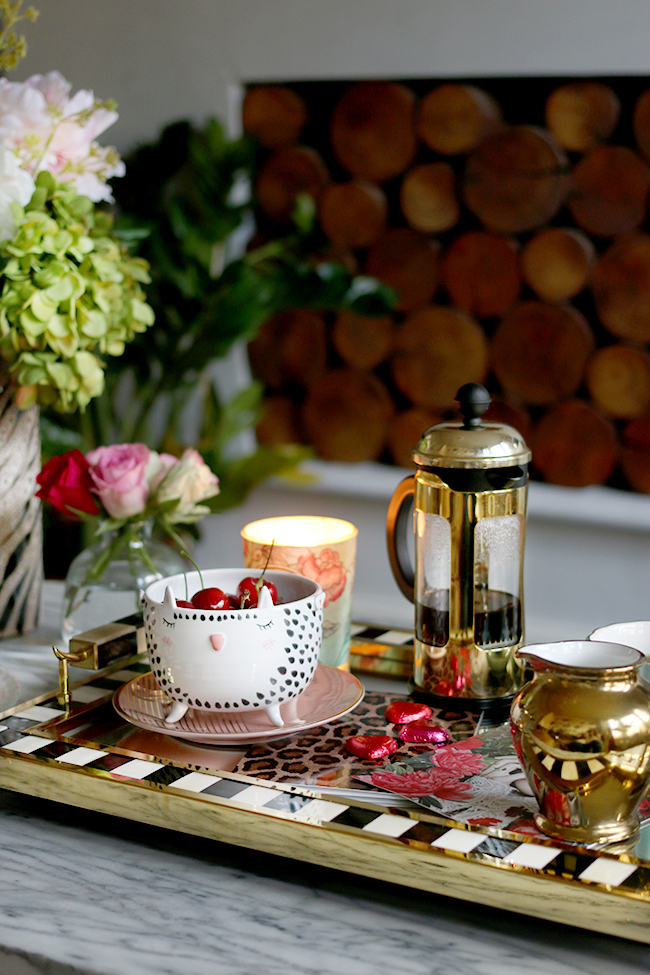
x,y
189,557
260,583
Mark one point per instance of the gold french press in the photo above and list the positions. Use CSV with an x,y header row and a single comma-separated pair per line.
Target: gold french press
x,y
469,497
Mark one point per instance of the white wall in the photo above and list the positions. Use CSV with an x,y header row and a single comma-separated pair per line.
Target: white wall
x,y
168,59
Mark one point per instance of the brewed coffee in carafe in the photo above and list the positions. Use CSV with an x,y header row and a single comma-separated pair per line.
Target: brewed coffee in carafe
x,y
469,497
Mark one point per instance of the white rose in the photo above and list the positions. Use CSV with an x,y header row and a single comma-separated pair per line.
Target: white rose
x,y
16,186
191,481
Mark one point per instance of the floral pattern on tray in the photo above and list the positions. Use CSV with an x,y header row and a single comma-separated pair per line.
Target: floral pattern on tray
x,y
478,781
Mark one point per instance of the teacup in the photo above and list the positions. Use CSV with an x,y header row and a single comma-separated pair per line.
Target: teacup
x,y
635,633
233,660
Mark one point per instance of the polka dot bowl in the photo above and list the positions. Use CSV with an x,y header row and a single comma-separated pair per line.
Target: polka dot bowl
x,y
234,660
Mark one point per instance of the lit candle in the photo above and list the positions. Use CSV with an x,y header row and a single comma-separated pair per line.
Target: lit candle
x,y
322,549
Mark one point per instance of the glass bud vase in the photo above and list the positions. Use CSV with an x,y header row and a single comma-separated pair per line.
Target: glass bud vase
x,y
104,581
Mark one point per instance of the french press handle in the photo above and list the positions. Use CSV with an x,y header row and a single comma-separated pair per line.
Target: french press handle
x,y
397,526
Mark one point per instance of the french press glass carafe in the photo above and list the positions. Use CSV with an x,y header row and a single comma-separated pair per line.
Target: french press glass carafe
x,y
469,494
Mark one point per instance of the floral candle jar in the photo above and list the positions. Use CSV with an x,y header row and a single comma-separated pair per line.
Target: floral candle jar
x,y
322,549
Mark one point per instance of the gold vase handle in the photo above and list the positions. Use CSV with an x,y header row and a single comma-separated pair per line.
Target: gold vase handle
x,y
397,528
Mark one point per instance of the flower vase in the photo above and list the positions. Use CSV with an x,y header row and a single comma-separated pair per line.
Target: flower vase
x,y
104,581
21,527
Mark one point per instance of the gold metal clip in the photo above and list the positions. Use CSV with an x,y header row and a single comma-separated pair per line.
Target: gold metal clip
x,y
64,697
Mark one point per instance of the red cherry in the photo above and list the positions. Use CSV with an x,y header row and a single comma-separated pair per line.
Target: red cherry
x,y
233,601
210,599
185,604
248,594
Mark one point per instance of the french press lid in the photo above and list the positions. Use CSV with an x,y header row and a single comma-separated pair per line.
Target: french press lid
x,y
471,443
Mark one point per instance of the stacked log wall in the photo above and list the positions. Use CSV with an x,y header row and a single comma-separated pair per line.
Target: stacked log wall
x,y
511,218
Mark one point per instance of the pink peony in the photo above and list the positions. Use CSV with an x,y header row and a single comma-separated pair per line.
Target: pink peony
x,y
47,129
327,570
425,782
459,763
119,474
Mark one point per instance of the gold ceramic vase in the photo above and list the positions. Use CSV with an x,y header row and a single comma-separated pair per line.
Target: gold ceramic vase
x,y
581,729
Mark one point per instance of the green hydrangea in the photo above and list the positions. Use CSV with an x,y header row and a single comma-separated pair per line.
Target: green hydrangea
x,y
71,294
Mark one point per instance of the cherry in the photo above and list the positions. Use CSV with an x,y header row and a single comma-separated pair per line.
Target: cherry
x,y
233,601
210,598
186,604
248,594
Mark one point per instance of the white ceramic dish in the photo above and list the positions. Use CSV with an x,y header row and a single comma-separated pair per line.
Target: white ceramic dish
x,y
331,694
634,633
233,661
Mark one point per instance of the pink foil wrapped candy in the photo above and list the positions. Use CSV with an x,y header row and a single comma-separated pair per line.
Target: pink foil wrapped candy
x,y
422,732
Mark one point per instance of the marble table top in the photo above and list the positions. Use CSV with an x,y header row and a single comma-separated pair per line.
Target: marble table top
x,y
85,892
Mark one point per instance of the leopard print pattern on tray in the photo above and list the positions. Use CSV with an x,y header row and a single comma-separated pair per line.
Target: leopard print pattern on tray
x,y
318,756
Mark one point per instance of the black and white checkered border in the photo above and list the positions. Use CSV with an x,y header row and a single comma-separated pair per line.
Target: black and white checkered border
x,y
545,860
378,634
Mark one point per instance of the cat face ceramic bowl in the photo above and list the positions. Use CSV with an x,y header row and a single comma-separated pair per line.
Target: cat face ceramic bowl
x,y
233,660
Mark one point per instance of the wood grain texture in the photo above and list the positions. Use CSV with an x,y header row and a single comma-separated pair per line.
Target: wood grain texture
x,y
480,272
372,130
618,380
346,416
557,263
353,214
453,118
437,350
287,173
539,352
621,288
408,262
428,198
515,180
575,445
582,114
274,114
610,190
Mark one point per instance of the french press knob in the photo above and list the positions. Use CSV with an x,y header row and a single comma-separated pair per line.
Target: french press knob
x,y
469,495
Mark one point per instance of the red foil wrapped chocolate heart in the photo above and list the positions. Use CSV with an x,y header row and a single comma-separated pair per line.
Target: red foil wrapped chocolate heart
x,y
371,746
425,733
403,712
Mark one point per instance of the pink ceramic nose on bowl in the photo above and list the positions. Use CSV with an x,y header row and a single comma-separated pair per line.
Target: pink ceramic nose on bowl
x,y
234,660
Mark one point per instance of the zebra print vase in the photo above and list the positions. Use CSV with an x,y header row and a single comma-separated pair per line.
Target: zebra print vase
x,y
21,528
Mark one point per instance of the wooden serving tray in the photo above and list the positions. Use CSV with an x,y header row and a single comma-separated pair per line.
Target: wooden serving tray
x,y
91,758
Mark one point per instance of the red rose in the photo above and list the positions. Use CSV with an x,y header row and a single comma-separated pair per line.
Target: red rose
x,y
422,782
66,483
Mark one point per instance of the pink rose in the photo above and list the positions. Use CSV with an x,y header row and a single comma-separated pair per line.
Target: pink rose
x,y
119,474
327,570
424,782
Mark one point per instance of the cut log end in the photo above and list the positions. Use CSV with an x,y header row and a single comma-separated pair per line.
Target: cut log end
x,y
346,416
582,114
574,445
274,114
557,263
405,431
610,190
438,350
353,215
621,287
290,349
362,341
407,262
279,422
453,118
539,352
618,380
287,173
480,273
372,130
428,198
516,180
635,454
